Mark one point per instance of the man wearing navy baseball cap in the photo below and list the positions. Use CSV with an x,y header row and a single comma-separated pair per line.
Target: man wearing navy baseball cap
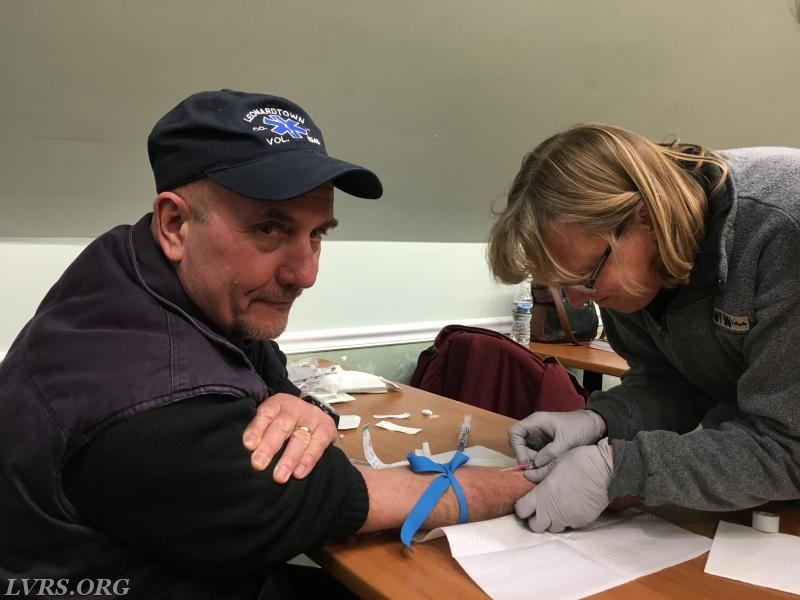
x,y
149,436
259,146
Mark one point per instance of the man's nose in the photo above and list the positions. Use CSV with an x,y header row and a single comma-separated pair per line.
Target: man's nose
x,y
300,266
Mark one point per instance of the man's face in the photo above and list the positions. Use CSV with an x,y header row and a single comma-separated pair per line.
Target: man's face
x,y
245,261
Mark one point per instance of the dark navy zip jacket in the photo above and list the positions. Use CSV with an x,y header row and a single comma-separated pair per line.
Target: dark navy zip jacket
x,y
114,337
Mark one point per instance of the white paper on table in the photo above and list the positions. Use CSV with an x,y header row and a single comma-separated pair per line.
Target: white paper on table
x,y
355,382
767,559
331,398
348,422
509,562
600,345
479,456
306,373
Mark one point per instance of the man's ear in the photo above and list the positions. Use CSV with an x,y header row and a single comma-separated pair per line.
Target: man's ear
x,y
169,226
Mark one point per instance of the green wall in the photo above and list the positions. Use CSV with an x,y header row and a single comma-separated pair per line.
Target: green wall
x,y
441,97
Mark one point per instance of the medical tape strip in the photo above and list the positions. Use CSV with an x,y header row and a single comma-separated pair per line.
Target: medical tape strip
x,y
437,487
369,451
425,450
372,457
766,521
395,427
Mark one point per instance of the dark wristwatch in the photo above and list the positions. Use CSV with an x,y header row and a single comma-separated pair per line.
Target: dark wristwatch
x,y
324,407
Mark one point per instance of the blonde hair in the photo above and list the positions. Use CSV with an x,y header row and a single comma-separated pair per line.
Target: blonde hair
x,y
596,175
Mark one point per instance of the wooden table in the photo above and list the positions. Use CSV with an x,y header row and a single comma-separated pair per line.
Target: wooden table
x,y
374,565
595,363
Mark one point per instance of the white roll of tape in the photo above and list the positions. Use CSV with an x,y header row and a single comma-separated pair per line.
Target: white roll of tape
x,y
766,521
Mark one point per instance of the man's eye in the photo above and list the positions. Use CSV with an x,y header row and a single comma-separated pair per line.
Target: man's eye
x,y
271,234
318,234
268,228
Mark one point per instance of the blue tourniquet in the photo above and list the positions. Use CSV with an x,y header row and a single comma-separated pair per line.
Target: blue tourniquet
x,y
429,498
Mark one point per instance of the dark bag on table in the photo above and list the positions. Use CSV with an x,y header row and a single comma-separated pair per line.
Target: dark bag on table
x,y
554,319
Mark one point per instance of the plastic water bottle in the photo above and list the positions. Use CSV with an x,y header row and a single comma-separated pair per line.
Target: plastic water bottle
x,y
521,314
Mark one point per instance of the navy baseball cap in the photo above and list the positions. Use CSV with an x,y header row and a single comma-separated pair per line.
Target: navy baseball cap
x,y
260,146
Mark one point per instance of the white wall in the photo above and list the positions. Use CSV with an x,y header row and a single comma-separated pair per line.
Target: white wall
x,y
367,293
27,269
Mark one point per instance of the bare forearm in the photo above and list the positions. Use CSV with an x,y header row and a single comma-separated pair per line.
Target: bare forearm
x,y
393,492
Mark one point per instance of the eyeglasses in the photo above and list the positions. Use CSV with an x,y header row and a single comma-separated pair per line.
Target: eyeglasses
x,y
588,287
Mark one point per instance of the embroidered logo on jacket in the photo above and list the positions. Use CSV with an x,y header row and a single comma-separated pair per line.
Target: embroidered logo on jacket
x,y
731,322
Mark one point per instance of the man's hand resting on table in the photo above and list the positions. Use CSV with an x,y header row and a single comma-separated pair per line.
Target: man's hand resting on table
x,y
284,417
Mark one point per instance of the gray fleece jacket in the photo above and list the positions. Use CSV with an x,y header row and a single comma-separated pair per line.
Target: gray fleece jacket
x,y
724,353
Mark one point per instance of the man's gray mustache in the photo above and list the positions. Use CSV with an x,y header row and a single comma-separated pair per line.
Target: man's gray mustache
x,y
285,297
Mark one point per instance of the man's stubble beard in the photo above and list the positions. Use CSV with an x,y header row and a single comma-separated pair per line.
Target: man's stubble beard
x,y
247,330
244,330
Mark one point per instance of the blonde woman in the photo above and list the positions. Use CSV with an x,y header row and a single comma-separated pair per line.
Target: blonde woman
x,y
694,258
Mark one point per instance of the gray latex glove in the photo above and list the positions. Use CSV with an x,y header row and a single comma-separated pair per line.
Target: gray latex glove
x,y
573,494
544,436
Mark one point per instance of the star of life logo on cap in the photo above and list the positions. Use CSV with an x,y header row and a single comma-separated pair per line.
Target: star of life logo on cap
x,y
281,126
280,122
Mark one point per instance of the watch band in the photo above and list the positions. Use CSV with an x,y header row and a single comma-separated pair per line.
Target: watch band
x,y
324,407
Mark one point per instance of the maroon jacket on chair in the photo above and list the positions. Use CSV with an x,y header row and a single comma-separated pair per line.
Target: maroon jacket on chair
x,y
484,368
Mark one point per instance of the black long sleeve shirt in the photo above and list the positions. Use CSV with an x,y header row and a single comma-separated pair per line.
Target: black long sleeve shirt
x,y
175,483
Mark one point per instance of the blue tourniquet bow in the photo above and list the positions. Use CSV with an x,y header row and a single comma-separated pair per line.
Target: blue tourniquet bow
x,y
429,498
